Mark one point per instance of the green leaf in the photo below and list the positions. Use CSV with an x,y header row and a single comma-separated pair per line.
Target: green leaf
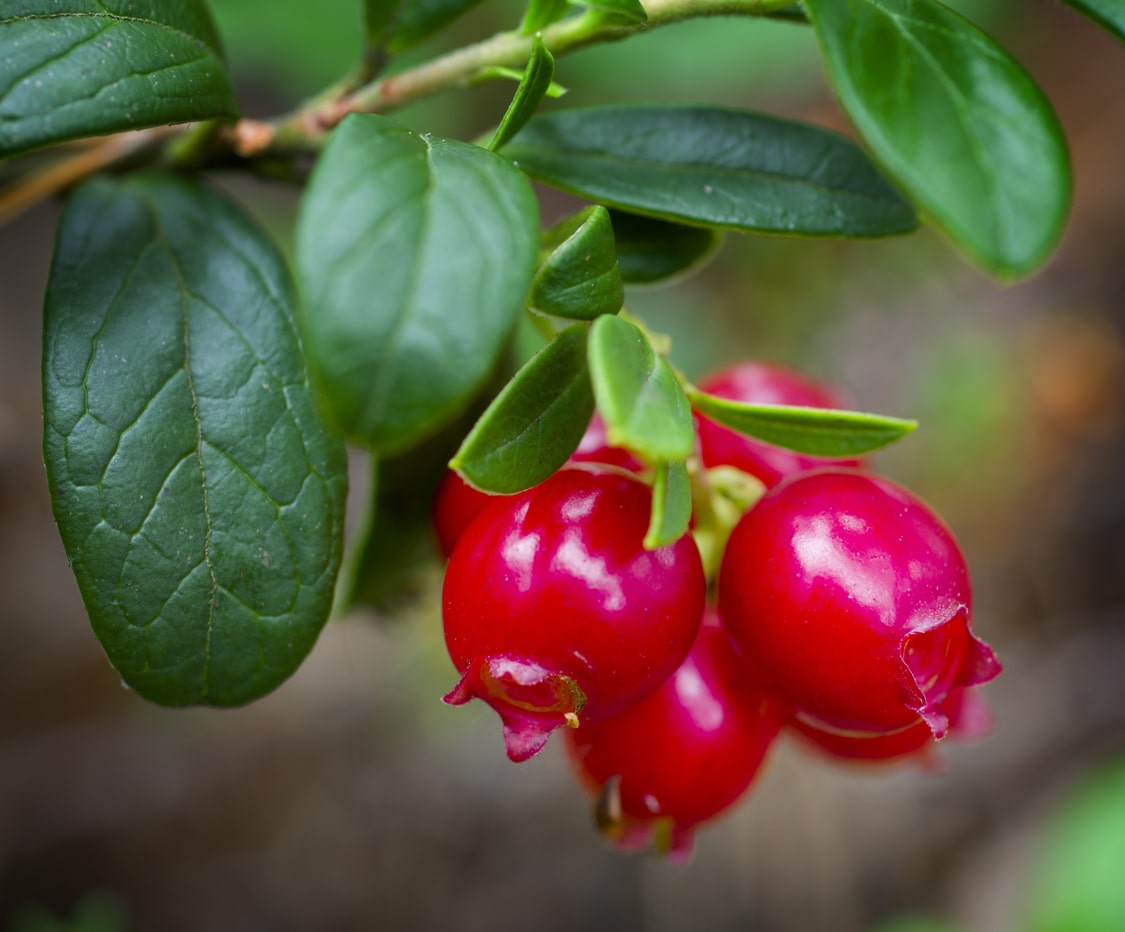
x,y
713,167
637,392
541,13
420,19
628,11
533,87
535,424
816,431
415,256
955,121
378,15
671,506
1110,14
580,279
650,250
199,499
73,68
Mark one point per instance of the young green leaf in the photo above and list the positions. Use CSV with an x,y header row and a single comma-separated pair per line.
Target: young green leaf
x,y
73,68
955,121
535,423
415,255
628,11
816,431
420,19
671,505
533,87
199,498
1110,14
541,13
580,278
713,167
637,392
650,250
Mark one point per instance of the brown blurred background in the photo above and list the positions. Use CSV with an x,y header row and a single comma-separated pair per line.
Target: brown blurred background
x,y
352,799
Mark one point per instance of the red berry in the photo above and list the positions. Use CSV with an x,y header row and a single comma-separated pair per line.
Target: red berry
x,y
684,754
455,505
759,383
850,598
594,448
553,608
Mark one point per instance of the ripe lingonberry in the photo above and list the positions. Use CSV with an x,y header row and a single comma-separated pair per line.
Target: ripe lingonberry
x,y
681,756
850,599
760,383
553,609
595,448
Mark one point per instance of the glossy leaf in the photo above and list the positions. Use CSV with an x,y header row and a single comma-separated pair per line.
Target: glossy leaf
x,y
713,166
816,431
199,498
580,279
637,392
415,255
535,424
671,505
73,68
628,11
533,87
1110,14
541,13
420,19
650,250
955,121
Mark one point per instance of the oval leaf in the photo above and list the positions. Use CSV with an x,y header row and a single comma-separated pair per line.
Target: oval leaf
x,y
955,121
638,394
714,167
533,87
1110,14
671,506
650,251
541,13
580,278
816,431
535,423
74,68
420,19
198,496
415,255
627,11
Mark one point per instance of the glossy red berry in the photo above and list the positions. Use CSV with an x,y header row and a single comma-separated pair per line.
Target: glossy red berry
x,y
681,756
455,505
553,610
760,383
850,599
595,448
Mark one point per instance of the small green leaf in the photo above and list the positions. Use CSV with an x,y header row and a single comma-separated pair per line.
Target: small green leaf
x,y
415,255
541,13
1110,14
533,86
650,250
816,431
580,279
535,424
628,11
955,121
73,68
713,167
637,392
377,18
199,498
671,505
420,19
554,89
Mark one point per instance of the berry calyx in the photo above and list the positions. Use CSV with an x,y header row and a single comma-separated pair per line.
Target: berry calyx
x,y
850,599
681,756
555,613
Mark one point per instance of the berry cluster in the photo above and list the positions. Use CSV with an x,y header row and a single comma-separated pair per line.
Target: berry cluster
x,y
840,612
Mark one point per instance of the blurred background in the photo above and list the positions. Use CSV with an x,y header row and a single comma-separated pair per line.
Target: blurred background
x,y
353,799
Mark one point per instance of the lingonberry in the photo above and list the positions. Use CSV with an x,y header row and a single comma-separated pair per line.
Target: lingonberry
x,y
761,383
553,609
595,448
681,756
850,598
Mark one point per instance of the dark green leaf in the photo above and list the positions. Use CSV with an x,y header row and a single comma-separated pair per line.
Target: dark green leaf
x,y
415,256
628,11
671,505
377,18
955,121
714,167
72,68
541,13
638,394
535,423
198,496
420,19
533,87
580,279
650,250
1107,13
816,431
